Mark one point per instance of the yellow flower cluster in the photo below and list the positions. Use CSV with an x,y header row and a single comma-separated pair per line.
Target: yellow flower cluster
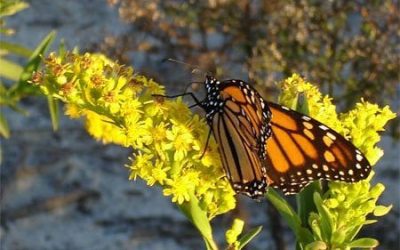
x,y
320,107
232,234
119,107
363,124
345,205
348,206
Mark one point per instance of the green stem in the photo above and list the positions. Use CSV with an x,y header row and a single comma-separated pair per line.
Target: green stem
x,y
192,210
54,111
210,244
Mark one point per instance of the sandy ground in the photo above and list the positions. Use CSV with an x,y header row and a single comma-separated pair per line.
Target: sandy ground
x,y
65,191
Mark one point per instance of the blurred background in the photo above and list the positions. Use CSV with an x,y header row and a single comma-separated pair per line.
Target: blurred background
x,y
63,190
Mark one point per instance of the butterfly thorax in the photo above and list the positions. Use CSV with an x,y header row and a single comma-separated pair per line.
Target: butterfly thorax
x,y
213,103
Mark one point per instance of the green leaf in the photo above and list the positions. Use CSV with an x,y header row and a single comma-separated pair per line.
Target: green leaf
x,y
317,245
313,222
294,102
3,89
10,70
304,235
245,239
382,210
23,87
368,222
198,217
305,201
352,232
5,30
6,100
54,112
4,129
15,49
11,7
283,208
61,48
326,217
301,104
339,237
364,243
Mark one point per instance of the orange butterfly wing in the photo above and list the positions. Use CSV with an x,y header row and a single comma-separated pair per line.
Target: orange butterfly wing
x,y
238,128
302,150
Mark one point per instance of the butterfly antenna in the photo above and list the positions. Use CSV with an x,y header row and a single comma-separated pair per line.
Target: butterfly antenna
x,y
195,68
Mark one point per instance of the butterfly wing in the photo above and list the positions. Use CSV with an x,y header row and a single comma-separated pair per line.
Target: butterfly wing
x,y
302,150
238,130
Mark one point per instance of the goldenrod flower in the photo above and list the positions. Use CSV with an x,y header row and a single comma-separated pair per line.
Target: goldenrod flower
x,y
119,107
72,111
159,173
181,187
141,166
181,140
232,234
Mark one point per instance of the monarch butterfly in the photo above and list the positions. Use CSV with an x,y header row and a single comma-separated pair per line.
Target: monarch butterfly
x,y
265,144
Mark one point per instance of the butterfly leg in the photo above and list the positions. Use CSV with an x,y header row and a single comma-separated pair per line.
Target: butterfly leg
x,y
207,141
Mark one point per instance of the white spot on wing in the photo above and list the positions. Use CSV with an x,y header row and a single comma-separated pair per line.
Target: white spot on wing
x,y
330,135
323,127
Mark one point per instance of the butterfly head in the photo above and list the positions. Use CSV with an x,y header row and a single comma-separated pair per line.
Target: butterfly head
x,y
211,83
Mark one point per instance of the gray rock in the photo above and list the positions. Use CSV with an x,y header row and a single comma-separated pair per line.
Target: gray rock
x,y
66,191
